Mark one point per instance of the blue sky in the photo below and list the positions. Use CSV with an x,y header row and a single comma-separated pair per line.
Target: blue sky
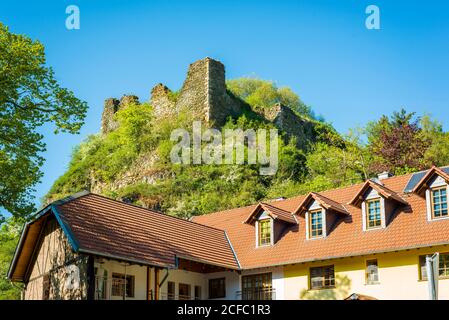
x,y
321,49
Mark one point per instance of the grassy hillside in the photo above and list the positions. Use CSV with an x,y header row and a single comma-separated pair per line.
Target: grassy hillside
x,y
132,163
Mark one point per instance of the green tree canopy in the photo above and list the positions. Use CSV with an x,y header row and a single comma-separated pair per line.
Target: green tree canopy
x,y
9,236
30,97
262,94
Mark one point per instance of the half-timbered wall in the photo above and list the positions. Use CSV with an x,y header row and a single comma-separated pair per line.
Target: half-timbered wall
x,y
56,272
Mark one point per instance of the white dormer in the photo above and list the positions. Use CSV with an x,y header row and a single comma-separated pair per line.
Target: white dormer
x,y
269,222
264,230
373,211
316,221
436,199
378,204
321,215
434,185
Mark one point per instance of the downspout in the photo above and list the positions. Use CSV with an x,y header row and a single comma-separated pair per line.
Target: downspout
x,y
167,271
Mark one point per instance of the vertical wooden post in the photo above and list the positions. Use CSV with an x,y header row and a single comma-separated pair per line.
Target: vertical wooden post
x,y
90,278
156,283
148,283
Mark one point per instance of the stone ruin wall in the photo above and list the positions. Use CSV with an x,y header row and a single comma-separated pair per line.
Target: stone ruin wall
x,y
205,94
111,106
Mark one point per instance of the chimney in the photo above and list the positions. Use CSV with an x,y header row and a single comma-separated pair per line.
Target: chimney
x,y
384,175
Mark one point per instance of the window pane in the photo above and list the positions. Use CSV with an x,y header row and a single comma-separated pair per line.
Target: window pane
x,y
217,288
322,277
373,215
316,224
439,202
372,275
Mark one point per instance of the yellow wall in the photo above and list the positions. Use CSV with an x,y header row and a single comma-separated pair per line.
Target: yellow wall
x,y
398,277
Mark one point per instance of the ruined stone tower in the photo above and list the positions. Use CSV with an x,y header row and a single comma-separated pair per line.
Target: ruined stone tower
x,y
203,92
111,106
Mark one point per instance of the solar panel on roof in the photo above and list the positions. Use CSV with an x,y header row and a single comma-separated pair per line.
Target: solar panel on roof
x,y
416,177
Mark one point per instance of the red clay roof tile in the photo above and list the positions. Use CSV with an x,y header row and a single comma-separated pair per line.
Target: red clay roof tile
x,y
408,228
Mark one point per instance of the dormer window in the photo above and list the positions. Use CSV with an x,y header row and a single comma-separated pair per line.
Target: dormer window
x,y
269,223
434,186
373,214
439,202
321,215
265,232
378,203
316,224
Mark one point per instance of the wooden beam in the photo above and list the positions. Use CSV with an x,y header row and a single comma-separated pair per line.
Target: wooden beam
x,y
90,278
156,283
148,283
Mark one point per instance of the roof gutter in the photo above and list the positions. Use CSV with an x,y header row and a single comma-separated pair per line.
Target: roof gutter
x,y
114,257
207,262
348,256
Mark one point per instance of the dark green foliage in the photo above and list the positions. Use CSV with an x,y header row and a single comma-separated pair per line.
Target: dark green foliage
x,y
9,236
30,96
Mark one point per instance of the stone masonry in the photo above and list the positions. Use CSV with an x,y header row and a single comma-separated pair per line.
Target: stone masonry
x,y
111,106
205,94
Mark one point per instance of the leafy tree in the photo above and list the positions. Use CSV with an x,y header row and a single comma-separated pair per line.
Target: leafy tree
x,y
438,152
397,143
261,94
9,236
30,97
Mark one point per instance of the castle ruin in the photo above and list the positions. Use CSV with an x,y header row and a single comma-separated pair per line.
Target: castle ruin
x,y
205,94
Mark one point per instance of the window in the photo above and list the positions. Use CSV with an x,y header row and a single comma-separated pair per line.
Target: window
x,y
439,202
372,272
122,286
315,224
264,232
197,293
184,291
170,290
257,287
217,288
443,266
322,278
373,214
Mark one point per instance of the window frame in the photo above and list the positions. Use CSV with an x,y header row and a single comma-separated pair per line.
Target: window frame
x,y
323,275
257,286
131,283
188,288
268,222
197,292
367,214
432,203
367,280
171,295
221,293
309,224
422,258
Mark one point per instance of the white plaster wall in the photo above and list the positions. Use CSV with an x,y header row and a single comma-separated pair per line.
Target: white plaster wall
x,y
139,273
